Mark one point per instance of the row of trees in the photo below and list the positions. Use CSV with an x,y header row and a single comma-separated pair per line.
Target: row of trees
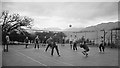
x,y
42,36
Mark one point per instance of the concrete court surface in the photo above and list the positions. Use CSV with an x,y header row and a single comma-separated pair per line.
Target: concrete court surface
x,y
18,55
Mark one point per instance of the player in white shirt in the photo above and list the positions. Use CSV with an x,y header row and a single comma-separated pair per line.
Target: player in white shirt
x,y
75,43
71,41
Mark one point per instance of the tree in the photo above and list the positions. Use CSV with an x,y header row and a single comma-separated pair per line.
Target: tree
x,y
13,22
14,35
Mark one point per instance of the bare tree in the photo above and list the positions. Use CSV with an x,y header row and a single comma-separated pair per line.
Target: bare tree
x,y
11,22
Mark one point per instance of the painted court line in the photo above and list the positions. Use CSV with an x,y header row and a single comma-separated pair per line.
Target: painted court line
x,y
43,56
30,58
59,61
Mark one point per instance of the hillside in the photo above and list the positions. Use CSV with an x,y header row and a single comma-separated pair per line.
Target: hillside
x,y
73,29
96,36
106,26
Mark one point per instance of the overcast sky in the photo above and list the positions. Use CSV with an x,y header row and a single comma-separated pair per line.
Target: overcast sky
x,y
62,14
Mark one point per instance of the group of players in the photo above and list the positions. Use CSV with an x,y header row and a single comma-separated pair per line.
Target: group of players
x,y
52,43
74,42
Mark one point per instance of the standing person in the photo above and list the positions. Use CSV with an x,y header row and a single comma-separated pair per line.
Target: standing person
x,y
49,43
75,44
71,41
101,47
63,41
42,41
45,39
83,38
85,47
26,42
54,45
7,42
37,42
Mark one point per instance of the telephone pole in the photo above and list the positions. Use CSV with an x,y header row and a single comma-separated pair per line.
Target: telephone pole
x,y
111,36
104,35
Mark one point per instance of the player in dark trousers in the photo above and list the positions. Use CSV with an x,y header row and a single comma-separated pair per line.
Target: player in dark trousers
x,y
101,47
6,43
49,42
71,42
44,42
75,44
63,41
54,45
85,47
26,42
37,42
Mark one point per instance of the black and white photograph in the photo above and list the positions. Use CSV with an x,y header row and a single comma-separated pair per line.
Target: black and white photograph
x,y
53,33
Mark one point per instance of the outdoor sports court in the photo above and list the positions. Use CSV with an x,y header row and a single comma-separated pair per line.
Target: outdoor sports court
x,y
18,55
